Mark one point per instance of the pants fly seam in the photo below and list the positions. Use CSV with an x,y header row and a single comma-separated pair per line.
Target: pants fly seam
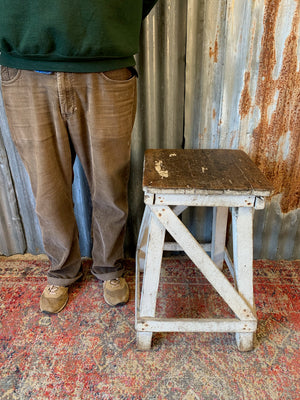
x,y
66,94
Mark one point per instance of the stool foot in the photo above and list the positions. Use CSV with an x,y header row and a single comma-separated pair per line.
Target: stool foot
x,y
245,341
143,340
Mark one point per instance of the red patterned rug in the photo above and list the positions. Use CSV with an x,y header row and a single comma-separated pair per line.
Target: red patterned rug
x,y
88,351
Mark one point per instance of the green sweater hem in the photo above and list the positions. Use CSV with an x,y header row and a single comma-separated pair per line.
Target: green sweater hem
x,y
66,65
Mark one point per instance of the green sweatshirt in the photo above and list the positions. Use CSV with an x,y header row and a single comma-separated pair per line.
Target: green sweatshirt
x,y
71,35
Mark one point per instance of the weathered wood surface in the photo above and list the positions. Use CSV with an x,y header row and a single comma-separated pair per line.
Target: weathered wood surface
x,y
208,170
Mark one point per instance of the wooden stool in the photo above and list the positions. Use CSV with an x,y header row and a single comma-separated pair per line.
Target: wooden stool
x,y
174,180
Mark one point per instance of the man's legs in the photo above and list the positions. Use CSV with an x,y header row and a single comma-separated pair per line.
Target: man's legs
x,y
100,130
97,111
40,135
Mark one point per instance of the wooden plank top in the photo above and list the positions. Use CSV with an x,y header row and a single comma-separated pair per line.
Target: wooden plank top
x,y
208,171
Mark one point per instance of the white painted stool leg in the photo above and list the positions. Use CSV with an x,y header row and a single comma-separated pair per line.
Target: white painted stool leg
x,y
143,340
242,226
220,215
245,341
143,239
151,277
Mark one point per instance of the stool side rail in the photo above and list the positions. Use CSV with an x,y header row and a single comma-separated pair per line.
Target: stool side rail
x,y
148,324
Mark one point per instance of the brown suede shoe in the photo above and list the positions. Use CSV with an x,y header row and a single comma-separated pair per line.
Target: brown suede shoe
x,y
53,299
116,292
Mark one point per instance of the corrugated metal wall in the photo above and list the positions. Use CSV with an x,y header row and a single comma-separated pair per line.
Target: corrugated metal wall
x,y
250,99
212,74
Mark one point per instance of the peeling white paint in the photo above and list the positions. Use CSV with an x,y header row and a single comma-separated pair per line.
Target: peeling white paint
x,y
159,169
273,106
284,146
256,117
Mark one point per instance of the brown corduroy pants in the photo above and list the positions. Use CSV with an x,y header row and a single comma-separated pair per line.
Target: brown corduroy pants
x,y
92,113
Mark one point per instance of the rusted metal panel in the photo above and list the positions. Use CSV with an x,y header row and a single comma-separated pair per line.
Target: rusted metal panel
x,y
275,143
257,107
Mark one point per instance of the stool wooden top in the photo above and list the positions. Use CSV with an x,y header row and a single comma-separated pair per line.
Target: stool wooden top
x,y
209,171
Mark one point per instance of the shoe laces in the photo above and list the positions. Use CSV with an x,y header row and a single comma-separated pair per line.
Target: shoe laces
x,y
52,289
115,282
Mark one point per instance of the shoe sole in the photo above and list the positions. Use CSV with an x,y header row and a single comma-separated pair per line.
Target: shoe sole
x,y
122,303
116,305
55,312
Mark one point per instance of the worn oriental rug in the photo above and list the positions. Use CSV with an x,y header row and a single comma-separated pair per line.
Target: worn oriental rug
x,y
88,351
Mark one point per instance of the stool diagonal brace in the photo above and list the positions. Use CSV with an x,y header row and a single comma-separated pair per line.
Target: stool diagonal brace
x,y
142,242
212,273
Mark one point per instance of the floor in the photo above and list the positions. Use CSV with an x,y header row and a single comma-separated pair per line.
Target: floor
x,y
88,351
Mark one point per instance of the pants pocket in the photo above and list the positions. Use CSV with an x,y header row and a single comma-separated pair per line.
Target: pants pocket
x,y
9,75
120,75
